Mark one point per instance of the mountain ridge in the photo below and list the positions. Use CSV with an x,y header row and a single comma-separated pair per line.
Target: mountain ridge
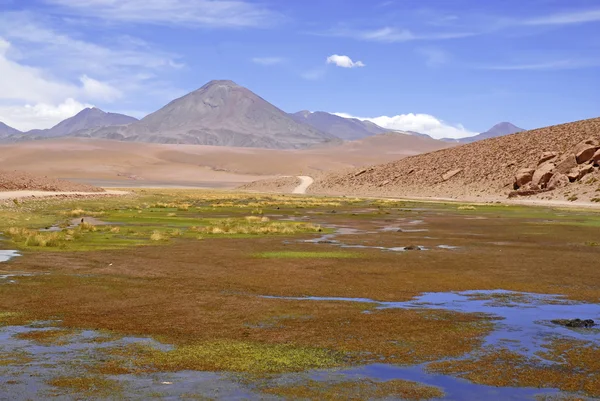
x,y
220,113
341,127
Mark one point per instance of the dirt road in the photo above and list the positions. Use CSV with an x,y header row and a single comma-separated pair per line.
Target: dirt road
x,y
306,182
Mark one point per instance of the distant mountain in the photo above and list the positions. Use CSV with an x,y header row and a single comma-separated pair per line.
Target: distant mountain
x,y
220,113
500,129
90,118
6,131
344,128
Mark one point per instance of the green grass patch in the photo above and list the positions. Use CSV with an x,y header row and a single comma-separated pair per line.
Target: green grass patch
x,y
307,255
231,356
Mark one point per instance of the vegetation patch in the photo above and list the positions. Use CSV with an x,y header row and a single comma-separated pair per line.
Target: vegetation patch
x,y
574,367
226,355
14,358
362,389
254,225
87,385
48,337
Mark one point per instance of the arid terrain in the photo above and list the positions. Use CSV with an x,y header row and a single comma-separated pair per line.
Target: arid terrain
x,y
485,170
113,163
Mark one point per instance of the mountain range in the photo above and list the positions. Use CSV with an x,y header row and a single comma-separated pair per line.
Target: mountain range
x,y
497,130
223,113
344,128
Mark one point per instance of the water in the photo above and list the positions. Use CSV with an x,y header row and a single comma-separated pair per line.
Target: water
x,y
524,324
6,255
25,381
330,239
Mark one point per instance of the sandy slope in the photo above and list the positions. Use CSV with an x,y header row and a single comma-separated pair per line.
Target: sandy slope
x,y
101,161
476,171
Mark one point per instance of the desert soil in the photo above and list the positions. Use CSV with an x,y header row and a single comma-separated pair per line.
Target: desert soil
x,y
123,164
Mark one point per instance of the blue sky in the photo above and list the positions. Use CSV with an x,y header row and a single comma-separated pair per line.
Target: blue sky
x,y
443,67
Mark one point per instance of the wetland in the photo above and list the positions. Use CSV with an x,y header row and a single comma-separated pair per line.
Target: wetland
x,y
198,294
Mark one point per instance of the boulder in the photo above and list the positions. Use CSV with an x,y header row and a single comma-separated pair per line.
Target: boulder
x,y
547,156
543,174
565,163
585,170
449,174
558,180
576,323
596,157
523,176
584,151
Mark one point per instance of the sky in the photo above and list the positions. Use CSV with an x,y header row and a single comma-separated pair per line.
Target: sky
x,y
448,68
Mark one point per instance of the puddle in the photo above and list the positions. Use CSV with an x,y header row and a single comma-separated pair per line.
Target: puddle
x,y
28,380
523,326
456,389
331,240
74,223
524,323
6,255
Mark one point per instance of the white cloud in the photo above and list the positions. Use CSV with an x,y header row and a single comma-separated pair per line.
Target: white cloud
x,y
421,123
344,61
52,47
566,18
395,35
99,90
545,65
192,13
40,115
434,57
268,60
48,75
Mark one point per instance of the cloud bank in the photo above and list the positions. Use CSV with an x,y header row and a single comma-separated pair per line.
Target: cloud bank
x,y
421,123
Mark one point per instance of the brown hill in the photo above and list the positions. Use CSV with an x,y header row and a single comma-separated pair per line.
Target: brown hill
x,y
20,181
484,169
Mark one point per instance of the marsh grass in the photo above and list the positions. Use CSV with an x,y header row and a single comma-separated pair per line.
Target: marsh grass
x,y
82,212
569,365
87,385
48,337
12,319
357,390
253,225
14,358
222,355
307,255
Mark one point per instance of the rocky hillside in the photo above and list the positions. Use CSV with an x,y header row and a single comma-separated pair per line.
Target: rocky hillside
x,y
20,181
483,169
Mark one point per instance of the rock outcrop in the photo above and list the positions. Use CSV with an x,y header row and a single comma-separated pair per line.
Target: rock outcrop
x,y
556,171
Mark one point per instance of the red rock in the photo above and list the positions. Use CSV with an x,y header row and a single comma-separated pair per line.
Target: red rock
x,y
446,176
596,157
558,180
565,164
584,151
547,156
523,176
543,174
